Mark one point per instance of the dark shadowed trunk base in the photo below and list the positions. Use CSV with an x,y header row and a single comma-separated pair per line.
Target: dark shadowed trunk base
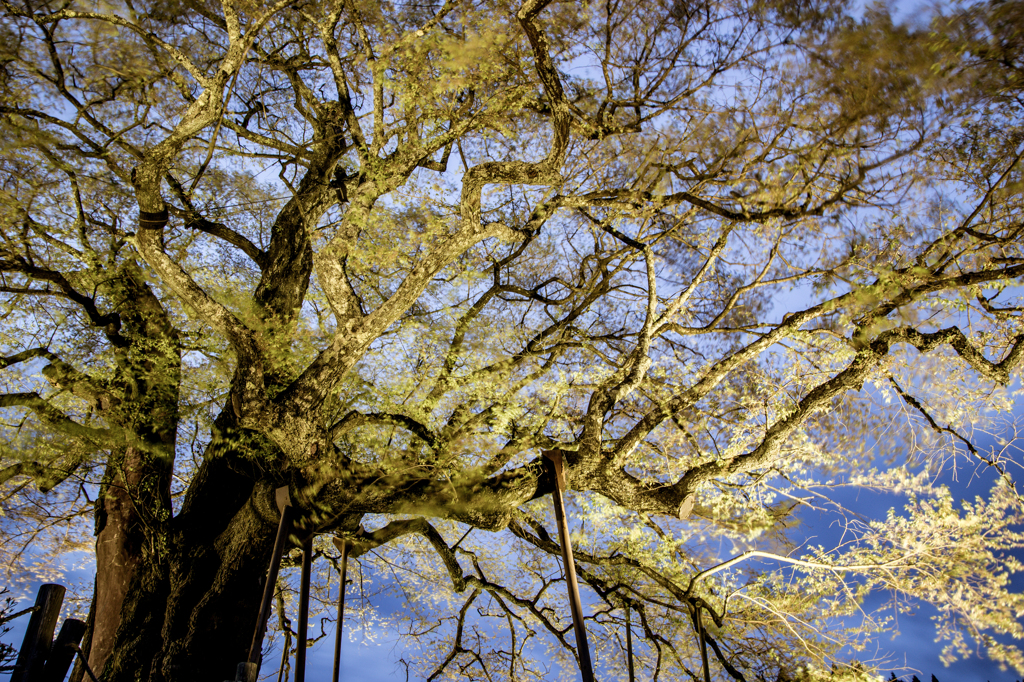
x,y
191,618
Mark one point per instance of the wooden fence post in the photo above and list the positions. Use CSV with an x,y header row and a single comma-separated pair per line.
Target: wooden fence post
x,y
247,671
39,634
62,653
582,647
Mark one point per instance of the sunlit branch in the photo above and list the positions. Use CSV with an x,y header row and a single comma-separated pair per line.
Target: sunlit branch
x,y
457,647
887,566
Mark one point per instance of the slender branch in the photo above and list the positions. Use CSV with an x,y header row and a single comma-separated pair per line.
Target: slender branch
x,y
110,323
803,563
457,647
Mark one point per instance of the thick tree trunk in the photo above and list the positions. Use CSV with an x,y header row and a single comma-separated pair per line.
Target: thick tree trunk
x,y
131,568
134,509
119,540
190,609
222,549
137,641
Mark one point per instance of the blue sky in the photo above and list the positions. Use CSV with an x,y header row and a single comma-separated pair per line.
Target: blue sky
x,y
914,646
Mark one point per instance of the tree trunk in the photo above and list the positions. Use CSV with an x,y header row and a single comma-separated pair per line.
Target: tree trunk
x,y
191,618
137,641
217,577
120,537
134,508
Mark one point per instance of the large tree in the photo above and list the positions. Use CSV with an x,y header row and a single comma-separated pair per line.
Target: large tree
x,y
724,256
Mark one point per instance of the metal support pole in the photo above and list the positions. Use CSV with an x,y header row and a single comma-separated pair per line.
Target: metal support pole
x,y
582,648
39,634
629,646
307,568
284,651
284,528
703,645
342,546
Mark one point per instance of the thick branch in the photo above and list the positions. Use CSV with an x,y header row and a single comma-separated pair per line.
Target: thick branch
x,y
110,323
54,417
356,419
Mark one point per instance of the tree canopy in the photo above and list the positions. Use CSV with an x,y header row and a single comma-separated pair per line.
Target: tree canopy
x,y
730,259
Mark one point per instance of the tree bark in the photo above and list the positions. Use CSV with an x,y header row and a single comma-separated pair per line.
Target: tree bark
x,y
119,540
217,579
190,607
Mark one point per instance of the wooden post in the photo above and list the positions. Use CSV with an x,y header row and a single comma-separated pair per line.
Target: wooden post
x,y
629,646
342,546
582,648
284,527
247,672
62,653
307,567
39,634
